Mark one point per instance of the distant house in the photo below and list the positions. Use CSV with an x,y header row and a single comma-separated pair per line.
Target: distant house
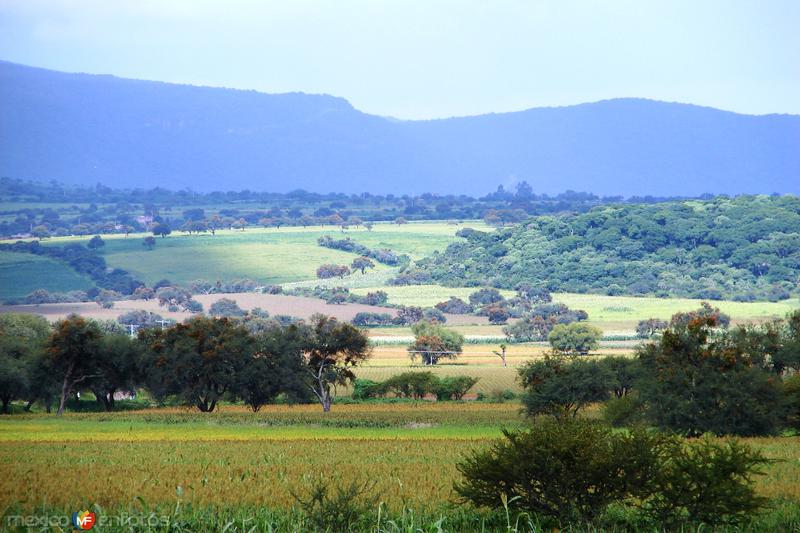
x,y
144,220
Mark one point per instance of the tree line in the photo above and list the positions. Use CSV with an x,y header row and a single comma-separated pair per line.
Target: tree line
x,y
199,362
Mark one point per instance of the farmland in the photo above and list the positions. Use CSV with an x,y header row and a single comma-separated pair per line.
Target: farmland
x,y
235,459
21,274
267,255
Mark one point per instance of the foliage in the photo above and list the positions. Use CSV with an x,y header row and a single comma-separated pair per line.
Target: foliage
x,y
328,271
367,319
454,306
198,360
568,470
432,342
575,338
383,255
226,307
574,470
716,248
72,351
559,387
698,379
648,328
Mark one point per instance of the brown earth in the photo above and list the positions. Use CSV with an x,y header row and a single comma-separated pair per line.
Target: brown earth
x,y
275,304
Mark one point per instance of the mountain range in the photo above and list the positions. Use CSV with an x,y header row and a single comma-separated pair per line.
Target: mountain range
x,y
87,129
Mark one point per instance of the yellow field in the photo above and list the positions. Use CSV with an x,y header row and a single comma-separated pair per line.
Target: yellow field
x,y
237,458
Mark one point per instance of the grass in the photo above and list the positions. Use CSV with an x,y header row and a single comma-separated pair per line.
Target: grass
x,y
267,255
612,314
21,274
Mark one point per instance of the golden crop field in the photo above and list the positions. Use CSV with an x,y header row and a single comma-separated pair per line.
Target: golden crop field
x,y
234,457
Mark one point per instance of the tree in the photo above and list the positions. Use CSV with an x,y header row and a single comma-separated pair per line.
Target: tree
x,y
560,387
407,315
198,360
496,314
95,243
72,349
455,306
141,319
117,366
721,320
328,271
485,297
647,329
149,242
502,353
40,232
575,338
699,379
161,228
433,342
332,351
226,307
21,342
362,263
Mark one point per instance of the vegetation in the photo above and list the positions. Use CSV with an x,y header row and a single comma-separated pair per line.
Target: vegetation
x,y
742,248
433,342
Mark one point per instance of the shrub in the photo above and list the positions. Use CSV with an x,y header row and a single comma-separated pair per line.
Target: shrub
x,y
560,388
623,411
707,482
365,389
415,385
573,470
335,509
484,297
454,388
569,470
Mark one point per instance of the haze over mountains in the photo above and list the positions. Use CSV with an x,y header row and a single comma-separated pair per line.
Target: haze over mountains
x,y
86,129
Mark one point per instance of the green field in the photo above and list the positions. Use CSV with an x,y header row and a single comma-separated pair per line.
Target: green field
x,y
21,274
267,255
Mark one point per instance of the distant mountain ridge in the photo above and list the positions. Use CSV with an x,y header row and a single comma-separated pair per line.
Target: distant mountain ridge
x,y
86,129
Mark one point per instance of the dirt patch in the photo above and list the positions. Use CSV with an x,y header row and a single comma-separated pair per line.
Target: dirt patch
x,y
275,304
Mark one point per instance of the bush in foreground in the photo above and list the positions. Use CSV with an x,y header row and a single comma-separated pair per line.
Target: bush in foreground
x,y
573,470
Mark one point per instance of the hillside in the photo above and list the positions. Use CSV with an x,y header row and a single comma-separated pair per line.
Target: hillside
x,y
87,129
746,248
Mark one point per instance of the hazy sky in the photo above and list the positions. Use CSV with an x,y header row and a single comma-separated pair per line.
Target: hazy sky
x,y
431,58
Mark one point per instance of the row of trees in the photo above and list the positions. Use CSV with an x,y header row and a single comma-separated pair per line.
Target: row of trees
x,y
696,377
199,362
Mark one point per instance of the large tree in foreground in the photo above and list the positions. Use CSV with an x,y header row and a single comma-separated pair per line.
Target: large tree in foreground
x,y
72,351
698,379
198,360
331,352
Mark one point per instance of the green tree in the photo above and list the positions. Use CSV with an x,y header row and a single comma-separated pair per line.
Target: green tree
x,y
118,368
333,349
72,350
362,263
161,228
432,342
560,387
575,338
198,360
699,379
95,243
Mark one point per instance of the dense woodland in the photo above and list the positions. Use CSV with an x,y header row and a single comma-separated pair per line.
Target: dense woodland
x,y
744,248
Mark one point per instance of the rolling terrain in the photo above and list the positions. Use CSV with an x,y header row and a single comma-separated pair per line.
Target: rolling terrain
x,y
87,129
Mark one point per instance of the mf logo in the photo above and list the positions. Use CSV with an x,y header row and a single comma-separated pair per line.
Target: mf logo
x,y
83,520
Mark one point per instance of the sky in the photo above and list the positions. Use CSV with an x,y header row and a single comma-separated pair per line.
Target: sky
x,y
431,59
